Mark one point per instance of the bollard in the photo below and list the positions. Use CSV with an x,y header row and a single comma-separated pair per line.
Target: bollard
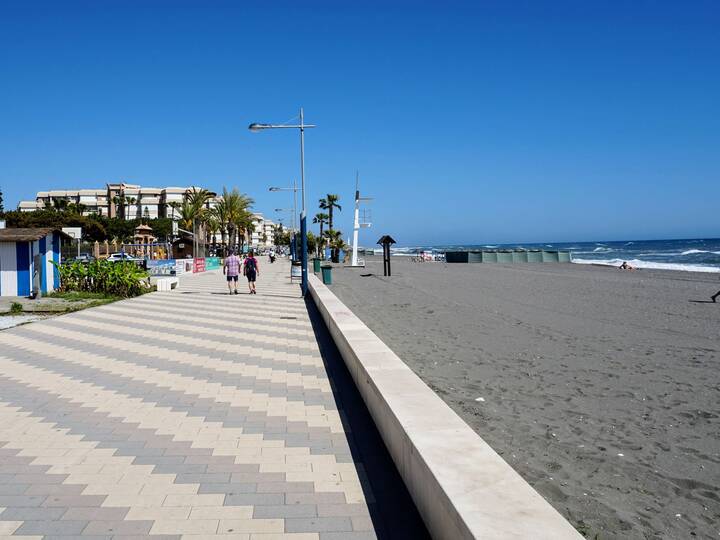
x,y
327,274
316,265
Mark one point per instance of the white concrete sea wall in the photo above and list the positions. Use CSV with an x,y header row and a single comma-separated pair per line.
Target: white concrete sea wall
x,y
461,487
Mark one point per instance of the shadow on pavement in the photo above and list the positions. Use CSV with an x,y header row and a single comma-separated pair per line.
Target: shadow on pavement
x,y
393,513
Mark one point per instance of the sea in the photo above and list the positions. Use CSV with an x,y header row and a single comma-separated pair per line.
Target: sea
x,y
692,255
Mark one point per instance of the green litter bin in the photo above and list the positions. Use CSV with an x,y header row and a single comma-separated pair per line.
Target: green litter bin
x,y
316,265
327,274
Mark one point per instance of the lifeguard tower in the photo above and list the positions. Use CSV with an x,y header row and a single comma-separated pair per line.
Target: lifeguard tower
x,y
358,223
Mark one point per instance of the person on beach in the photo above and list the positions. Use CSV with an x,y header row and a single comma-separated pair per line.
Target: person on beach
x,y
231,270
626,266
251,271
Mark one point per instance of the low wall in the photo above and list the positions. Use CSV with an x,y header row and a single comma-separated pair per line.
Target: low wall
x,y
175,267
461,487
507,256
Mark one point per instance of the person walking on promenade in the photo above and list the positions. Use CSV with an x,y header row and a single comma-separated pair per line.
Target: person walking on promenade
x,y
251,270
231,269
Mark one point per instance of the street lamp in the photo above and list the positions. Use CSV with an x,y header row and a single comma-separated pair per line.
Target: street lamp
x,y
294,189
289,211
303,218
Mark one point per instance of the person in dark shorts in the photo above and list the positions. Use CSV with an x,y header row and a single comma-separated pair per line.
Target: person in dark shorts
x,y
251,270
231,269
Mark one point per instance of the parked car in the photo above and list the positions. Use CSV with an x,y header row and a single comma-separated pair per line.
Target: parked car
x,y
115,257
83,258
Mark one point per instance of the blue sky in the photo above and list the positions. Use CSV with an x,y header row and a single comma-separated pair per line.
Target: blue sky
x,y
469,122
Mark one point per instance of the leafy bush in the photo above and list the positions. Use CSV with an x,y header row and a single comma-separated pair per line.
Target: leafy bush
x,y
122,279
16,307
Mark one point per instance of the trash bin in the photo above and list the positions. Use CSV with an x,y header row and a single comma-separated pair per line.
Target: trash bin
x,y
327,274
316,265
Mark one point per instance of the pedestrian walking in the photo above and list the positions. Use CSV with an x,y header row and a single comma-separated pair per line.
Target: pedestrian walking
x,y
231,270
251,270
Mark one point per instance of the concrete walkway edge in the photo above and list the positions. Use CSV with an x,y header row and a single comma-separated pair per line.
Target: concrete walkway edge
x,y
461,486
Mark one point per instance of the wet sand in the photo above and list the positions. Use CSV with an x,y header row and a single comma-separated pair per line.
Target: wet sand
x,y
600,387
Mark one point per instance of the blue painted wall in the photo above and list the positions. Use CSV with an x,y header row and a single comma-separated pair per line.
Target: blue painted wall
x,y
43,278
23,268
56,259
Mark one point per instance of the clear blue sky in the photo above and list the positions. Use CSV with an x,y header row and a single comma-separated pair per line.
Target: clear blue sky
x,y
479,122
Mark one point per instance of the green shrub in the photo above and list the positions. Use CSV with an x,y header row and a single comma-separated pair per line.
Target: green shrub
x,y
120,278
16,308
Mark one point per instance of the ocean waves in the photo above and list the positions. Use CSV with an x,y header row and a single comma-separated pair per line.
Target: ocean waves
x,y
639,263
691,255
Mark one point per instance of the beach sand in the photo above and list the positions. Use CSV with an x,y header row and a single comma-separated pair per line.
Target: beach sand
x,y
600,387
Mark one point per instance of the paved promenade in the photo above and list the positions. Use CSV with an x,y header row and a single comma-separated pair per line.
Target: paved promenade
x,y
191,414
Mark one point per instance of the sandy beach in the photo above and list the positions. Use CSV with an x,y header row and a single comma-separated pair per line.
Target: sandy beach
x,y
600,387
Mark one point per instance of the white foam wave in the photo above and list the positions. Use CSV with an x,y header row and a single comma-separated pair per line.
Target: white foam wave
x,y
695,251
604,249
637,263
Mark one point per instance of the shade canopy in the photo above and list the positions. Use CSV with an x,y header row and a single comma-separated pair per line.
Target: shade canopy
x,y
387,239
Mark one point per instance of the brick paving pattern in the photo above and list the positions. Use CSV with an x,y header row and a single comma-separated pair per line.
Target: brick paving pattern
x,y
191,414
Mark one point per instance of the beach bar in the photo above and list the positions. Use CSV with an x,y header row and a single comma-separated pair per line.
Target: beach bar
x,y
508,256
26,261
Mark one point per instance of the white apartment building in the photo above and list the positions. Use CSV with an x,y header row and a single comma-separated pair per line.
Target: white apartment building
x,y
263,232
117,199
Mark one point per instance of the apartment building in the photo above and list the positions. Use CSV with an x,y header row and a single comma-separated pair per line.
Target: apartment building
x,y
117,199
263,232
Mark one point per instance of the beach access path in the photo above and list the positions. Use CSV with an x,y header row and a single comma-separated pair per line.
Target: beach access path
x,y
191,414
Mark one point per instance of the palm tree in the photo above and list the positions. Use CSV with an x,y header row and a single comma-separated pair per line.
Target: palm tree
x,y
175,206
76,208
60,205
220,215
198,197
322,219
336,243
329,203
236,210
211,226
129,201
187,214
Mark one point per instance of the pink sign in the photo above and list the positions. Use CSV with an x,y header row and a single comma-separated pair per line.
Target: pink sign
x,y
199,266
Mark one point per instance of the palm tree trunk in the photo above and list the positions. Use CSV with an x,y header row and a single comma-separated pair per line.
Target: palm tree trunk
x,y
320,241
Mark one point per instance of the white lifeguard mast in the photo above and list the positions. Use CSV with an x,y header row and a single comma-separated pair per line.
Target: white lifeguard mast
x,y
358,224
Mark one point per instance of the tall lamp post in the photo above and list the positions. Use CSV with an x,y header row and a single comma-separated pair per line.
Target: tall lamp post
x,y
294,189
293,244
303,218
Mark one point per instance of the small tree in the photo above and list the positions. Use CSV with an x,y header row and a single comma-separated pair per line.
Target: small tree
x,y
2,208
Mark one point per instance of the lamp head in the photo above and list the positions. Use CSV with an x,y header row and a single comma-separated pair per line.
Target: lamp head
x,y
257,127
274,189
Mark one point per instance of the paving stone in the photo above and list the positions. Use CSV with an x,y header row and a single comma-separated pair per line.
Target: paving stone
x,y
329,510
354,535
32,514
249,499
330,497
74,500
318,524
96,514
118,527
54,527
285,511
